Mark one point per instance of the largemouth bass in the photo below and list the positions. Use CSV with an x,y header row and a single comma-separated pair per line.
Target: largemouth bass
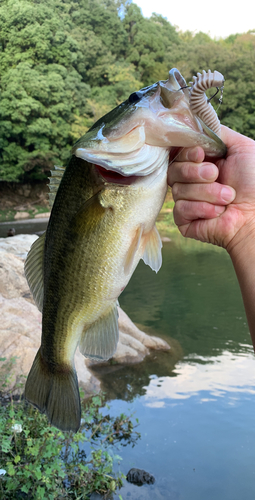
x,y
102,223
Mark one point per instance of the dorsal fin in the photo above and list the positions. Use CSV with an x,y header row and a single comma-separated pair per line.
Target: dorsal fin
x,y
34,270
55,179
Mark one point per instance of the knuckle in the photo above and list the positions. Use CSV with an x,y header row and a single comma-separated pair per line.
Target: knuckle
x,y
175,190
179,206
189,172
185,169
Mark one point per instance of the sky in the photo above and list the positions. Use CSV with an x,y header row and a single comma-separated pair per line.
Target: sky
x,y
218,18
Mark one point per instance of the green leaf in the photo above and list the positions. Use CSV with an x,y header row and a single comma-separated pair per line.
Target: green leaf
x,y
17,459
10,469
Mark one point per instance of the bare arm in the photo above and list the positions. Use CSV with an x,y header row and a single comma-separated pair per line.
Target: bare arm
x,y
215,203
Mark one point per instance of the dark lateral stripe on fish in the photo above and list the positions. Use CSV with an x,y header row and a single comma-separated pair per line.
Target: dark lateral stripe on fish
x,y
115,177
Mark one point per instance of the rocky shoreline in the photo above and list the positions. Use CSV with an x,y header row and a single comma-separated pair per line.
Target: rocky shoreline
x,y
20,326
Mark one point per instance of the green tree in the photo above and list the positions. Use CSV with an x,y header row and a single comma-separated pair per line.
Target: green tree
x,y
150,40
41,91
37,109
64,63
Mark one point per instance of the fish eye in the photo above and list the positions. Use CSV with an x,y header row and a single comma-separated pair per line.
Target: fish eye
x,y
135,97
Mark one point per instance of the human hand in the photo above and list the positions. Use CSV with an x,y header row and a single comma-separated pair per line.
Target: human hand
x,y
215,202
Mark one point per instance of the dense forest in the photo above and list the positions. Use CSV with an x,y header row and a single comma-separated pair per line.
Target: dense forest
x,y
64,63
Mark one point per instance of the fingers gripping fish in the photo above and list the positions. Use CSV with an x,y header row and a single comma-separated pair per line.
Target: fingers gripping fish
x,y
105,204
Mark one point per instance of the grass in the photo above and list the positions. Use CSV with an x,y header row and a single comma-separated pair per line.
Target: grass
x,y
165,222
7,214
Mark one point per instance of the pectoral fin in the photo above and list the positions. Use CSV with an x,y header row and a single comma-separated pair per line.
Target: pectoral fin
x,y
34,270
99,340
152,253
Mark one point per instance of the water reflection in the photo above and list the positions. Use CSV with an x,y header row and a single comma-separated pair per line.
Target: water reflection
x,y
195,299
128,381
227,373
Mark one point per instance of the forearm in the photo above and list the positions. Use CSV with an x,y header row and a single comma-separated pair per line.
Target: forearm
x,y
243,258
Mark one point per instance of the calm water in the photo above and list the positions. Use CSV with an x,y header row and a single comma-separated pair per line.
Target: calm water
x,y
25,226
196,404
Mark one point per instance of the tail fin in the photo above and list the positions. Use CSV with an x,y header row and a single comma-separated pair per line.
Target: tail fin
x,y
55,393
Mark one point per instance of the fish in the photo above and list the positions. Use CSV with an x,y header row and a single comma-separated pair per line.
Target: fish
x,y
105,203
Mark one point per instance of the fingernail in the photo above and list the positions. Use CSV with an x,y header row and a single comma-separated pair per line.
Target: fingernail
x,y
208,172
219,210
227,194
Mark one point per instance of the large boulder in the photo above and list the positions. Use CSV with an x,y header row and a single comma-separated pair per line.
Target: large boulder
x,y
20,326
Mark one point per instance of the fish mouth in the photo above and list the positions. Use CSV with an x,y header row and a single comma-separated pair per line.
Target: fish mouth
x,y
114,177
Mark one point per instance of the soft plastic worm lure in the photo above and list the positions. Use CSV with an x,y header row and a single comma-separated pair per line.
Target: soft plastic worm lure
x,y
199,103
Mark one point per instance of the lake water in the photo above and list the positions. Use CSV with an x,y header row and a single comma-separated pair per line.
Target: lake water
x,y
195,404
25,226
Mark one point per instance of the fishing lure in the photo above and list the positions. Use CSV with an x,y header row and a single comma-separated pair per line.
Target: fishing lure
x,y
198,101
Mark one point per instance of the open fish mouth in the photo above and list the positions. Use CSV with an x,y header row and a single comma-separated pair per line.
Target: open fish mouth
x,y
114,177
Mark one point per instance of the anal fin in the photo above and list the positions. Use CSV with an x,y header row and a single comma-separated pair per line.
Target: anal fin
x,y
152,254
99,340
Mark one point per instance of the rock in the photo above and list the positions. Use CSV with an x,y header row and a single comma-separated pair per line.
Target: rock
x,y
44,215
21,215
129,350
139,477
18,245
12,279
127,327
24,190
20,326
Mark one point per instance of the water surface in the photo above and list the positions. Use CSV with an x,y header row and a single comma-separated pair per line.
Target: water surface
x,y
196,404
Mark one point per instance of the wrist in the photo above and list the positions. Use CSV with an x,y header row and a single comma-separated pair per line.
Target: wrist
x,y
242,252
241,247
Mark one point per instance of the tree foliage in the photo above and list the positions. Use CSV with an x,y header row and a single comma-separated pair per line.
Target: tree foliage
x,y
64,63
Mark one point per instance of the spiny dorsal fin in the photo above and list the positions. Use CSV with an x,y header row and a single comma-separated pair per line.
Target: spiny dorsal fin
x,y
55,179
34,270
152,253
99,341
